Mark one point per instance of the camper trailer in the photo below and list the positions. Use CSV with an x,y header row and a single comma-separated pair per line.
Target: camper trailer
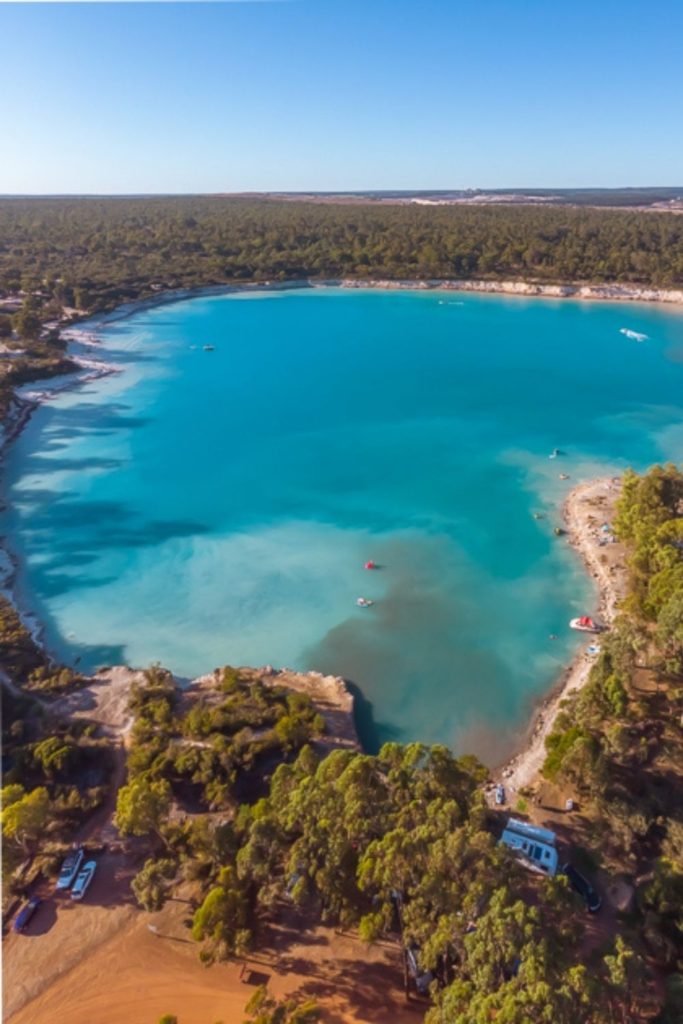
x,y
533,846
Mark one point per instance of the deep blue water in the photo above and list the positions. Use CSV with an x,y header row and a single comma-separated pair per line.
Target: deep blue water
x,y
202,508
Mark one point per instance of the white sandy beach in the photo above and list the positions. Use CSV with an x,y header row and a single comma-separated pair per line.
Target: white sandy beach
x,y
587,507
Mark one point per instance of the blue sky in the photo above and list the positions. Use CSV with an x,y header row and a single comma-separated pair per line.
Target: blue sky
x,y
325,94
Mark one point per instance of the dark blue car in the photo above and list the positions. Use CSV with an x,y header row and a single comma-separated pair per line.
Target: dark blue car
x,y
26,913
584,888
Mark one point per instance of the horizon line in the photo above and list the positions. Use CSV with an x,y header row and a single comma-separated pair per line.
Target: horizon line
x,y
340,191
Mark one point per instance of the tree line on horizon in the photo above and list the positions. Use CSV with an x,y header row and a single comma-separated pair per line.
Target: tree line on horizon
x,y
95,253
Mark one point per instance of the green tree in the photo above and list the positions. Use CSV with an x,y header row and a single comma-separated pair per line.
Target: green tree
x,y
625,977
222,919
27,322
142,807
25,815
152,883
264,1009
54,755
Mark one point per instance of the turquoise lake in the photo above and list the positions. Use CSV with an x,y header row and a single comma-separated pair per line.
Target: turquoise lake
x,y
209,507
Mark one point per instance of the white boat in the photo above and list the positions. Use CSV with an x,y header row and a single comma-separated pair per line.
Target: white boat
x,y
364,602
633,335
208,348
554,453
69,869
585,624
83,880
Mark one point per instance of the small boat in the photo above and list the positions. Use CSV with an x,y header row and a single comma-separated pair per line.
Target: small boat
x,y
69,869
539,515
564,476
633,335
364,602
585,624
83,880
554,453
370,565
593,650
208,348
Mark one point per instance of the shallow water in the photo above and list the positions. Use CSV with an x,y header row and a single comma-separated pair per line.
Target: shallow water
x,y
202,507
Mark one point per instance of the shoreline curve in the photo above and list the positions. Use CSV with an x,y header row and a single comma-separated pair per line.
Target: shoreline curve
x,y
585,508
524,766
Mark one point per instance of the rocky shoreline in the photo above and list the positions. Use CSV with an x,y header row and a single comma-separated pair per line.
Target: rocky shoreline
x,y
584,292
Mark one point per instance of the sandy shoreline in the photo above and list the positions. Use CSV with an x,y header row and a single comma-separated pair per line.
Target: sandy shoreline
x,y
529,289
523,289
587,507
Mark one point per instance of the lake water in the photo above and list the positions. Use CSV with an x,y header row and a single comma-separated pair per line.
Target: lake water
x,y
202,508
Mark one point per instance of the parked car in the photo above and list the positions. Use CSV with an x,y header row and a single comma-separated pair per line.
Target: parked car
x,y
69,869
500,793
583,887
26,913
83,880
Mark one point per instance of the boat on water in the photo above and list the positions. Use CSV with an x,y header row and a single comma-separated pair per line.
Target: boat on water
x,y
554,453
370,565
585,624
208,348
364,602
633,335
564,476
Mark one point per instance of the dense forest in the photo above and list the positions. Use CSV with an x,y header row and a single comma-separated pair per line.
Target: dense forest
x,y
400,846
619,740
91,253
